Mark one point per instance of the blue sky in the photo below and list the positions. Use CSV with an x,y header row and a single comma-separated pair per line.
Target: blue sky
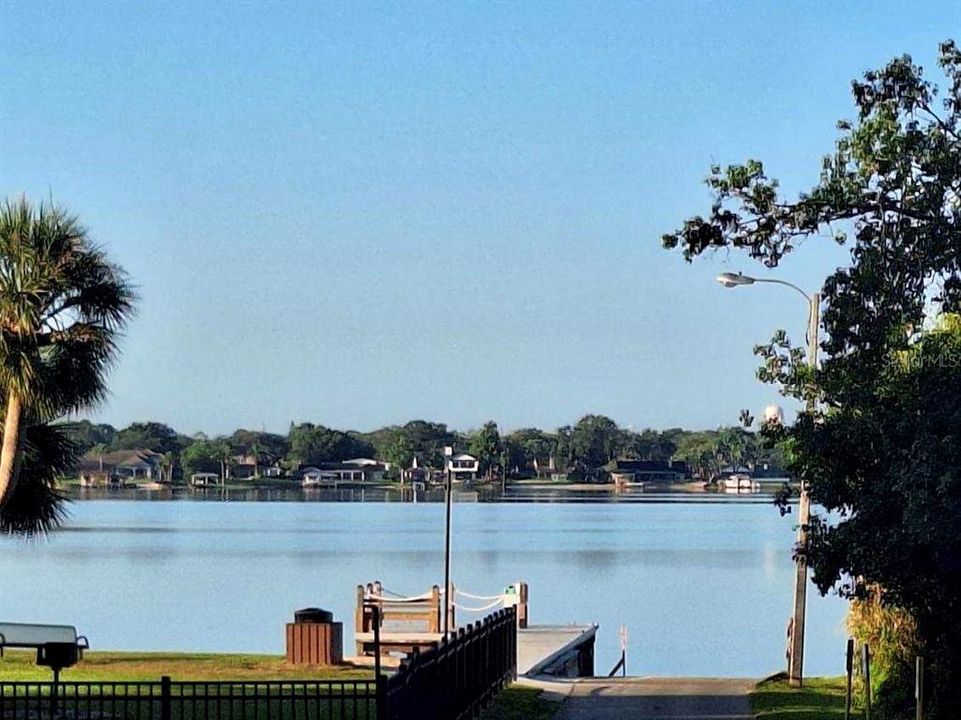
x,y
359,214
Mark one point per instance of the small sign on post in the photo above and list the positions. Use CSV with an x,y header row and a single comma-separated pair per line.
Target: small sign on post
x,y
623,634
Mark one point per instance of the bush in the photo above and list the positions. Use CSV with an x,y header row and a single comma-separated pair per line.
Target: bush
x,y
892,635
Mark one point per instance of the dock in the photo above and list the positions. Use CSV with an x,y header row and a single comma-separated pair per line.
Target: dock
x,y
556,650
411,623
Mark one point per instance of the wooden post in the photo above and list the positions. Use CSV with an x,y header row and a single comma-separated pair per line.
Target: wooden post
x,y
452,615
919,688
849,669
435,609
359,613
866,666
522,609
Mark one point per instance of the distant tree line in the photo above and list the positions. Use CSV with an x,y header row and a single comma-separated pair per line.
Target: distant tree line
x,y
581,450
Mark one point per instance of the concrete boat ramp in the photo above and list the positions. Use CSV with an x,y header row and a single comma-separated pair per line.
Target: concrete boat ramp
x,y
634,698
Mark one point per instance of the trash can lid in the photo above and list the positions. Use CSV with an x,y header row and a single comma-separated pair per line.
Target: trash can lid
x,y
313,615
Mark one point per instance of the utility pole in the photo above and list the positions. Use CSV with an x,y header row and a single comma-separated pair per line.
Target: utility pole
x,y
796,659
796,663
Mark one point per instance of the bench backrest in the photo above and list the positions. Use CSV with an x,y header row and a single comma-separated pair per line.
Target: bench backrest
x,y
426,611
28,635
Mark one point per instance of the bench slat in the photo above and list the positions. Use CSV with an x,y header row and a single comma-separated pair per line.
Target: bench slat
x,y
28,635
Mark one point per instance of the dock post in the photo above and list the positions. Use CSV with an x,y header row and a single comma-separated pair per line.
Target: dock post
x,y
435,614
360,618
522,608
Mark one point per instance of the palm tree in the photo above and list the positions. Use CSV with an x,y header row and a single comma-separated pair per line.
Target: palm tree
x,y
256,451
62,306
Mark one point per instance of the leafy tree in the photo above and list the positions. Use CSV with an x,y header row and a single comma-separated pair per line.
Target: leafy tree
x,y
700,452
881,445
485,445
86,435
428,440
311,444
62,305
526,444
149,435
267,448
398,450
201,456
564,450
594,441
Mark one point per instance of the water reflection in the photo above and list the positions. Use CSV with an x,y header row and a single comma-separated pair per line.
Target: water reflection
x,y
126,571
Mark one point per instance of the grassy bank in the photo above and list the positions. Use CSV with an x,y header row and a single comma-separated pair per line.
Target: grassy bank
x,y
521,703
21,666
819,699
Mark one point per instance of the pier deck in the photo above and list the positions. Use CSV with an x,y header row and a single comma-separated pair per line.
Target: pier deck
x,y
563,650
549,649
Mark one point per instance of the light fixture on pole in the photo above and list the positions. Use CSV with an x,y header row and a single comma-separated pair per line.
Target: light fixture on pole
x,y
796,659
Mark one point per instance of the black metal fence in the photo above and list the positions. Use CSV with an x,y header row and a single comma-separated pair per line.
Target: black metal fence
x,y
453,681
196,700
459,677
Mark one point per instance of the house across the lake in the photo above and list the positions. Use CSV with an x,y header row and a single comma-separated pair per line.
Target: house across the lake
x,y
546,469
359,470
463,467
639,471
119,468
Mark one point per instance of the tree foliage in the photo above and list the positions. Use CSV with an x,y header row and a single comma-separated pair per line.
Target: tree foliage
x,y
485,445
62,306
312,444
150,436
881,446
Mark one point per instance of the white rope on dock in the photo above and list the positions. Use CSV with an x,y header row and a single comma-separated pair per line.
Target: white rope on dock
x,y
480,609
478,597
399,598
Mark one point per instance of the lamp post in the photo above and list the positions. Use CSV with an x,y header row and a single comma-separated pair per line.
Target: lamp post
x,y
448,595
796,660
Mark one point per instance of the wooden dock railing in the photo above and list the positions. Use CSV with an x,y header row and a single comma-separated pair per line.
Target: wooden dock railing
x,y
406,623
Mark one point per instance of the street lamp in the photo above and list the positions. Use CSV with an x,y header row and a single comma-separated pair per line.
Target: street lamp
x,y
796,660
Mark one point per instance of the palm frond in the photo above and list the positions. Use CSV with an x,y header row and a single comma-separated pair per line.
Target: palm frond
x,y
36,506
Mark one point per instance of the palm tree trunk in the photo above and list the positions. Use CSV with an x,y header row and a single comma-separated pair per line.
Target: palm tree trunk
x,y
9,454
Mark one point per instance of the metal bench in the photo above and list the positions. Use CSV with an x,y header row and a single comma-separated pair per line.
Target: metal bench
x,y
57,646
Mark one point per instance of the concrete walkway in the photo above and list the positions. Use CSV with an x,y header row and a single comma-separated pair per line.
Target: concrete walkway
x,y
657,699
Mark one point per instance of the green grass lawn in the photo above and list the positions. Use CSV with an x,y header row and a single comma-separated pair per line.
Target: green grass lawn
x,y
247,701
21,666
521,703
819,699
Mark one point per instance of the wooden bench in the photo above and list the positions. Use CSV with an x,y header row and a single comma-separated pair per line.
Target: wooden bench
x,y
424,613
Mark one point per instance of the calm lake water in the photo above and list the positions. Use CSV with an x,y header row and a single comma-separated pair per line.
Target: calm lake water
x,y
703,588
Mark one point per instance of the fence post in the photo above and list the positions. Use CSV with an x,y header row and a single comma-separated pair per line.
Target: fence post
x,y
380,700
919,688
165,709
849,670
866,664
